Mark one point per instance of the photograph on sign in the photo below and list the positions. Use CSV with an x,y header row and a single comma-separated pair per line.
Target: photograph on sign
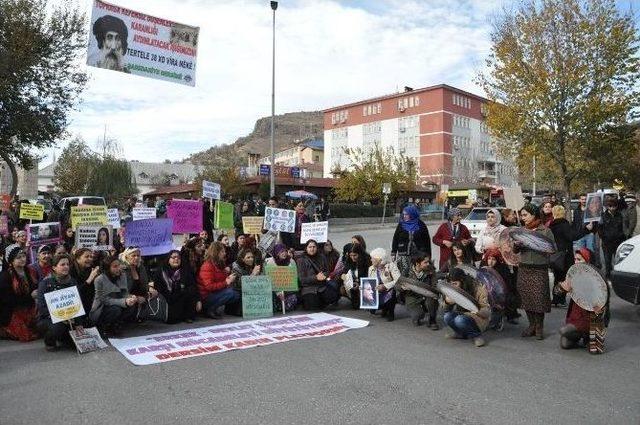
x,y
279,220
210,190
257,299
368,293
593,210
88,214
252,225
94,237
64,304
143,213
43,233
31,211
317,231
87,340
113,218
186,215
134,43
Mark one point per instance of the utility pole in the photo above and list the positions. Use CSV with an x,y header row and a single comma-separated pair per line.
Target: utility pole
x,y
534,175
272,178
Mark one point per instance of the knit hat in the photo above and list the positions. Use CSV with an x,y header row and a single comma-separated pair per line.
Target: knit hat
x,y
585,253
278,248
11,252
492,252
453,212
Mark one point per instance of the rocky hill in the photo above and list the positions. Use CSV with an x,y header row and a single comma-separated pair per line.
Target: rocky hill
x,y
288,128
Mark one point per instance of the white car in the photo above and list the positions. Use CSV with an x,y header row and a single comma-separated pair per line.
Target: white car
x,y
625,277
477,220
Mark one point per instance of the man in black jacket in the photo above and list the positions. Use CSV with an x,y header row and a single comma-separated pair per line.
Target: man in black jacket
x,y
589,240
611,232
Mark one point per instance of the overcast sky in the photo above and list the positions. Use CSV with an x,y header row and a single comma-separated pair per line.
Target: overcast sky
x,y
328,52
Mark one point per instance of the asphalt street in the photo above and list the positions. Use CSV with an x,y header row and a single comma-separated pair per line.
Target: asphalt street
x,y
386,373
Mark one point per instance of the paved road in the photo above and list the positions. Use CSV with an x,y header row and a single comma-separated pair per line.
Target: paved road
x,y
386,373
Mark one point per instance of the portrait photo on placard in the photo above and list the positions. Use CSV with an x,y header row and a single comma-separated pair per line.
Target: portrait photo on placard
x,y
43,233
593,211
368,293
97,238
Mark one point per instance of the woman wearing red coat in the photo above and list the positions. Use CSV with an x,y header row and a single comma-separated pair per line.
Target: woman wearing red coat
x,y
450,232
215,282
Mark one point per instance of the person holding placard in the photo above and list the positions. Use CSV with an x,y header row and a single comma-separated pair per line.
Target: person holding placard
x,y
356,266
60,278
386,273
176,283
301,217
317,290
17,297
246,210
282,258
245,265
85,273
215,283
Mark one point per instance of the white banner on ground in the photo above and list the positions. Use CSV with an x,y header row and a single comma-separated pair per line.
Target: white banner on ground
x,y
143,213
318,231
160,348
134,43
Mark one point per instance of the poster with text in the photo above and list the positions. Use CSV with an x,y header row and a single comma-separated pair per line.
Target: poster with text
x,y
318,231
283,278
143,213
210,190
186,215
31,211
87,340
5,202
368,294
43,233
252,225
223,218
153,236
97,238
88,214
279,220
131,42
64,304
4,225
113,218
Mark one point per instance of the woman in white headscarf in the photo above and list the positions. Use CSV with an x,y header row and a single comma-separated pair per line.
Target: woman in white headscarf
x,y
488,237
387,273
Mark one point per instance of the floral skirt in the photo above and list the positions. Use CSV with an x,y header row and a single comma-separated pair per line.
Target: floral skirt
x,y
22,326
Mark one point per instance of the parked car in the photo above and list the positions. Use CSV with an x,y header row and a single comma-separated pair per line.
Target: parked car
x,y
625,277
74,201
477,220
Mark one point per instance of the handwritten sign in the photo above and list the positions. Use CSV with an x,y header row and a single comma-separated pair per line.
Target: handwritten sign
x,y
5,202
279,220
31,211
43,233
143,213
88,214
257,300
97,238
223,218
153,236
318,231
283,278
210,190
64,304
113,218
186,215
252,225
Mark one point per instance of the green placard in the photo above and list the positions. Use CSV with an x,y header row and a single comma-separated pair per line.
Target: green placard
x,y
223,215
257,298
283,278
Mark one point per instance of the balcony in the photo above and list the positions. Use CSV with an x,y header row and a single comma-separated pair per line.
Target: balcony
x,y
487,174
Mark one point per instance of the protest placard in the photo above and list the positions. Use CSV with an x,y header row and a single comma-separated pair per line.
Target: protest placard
x,y
5,202
43,233
153,236
279,220
31,211
113,218
88,214
318,231
202,341
257,299
369,297
593,210
223,218
144,45
143,213
252,225
186,215
513,198
268,242
87,340
97,238
4,225
283,278
210,190
64,304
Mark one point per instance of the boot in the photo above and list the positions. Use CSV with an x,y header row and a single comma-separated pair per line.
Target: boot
x,y
539,326
530,331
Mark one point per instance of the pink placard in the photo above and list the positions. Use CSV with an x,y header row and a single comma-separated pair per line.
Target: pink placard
x,y
186,215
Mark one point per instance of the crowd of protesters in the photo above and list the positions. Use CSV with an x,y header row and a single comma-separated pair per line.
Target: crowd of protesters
x,y
203,277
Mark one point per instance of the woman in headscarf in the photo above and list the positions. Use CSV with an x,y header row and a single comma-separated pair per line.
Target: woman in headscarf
x,y
356,266
176,283
282,258
490,234
315,288
533,275
411,236
17,297
386,273
450,232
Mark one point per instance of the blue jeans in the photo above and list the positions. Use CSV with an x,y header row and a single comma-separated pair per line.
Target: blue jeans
x,y
462,325
219,298
587,241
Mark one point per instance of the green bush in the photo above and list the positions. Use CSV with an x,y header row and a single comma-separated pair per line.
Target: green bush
x,y
359,210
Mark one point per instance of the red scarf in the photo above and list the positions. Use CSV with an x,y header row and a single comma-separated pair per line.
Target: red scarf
x,y
533,224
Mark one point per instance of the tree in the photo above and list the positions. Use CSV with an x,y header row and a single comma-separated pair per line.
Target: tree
x,y
369,170
41,76
112,179
562,77
231,183
73,168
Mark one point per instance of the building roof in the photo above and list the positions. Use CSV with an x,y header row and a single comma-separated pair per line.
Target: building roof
x,y
169,190
48,170
289,181
317,144
406,93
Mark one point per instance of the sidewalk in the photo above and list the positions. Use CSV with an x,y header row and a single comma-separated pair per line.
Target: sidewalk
x,y
339,228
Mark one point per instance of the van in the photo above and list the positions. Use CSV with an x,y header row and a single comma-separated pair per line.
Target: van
x,y
625,277
75,201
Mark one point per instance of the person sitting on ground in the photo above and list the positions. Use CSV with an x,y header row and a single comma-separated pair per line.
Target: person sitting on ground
x,y
114,304
238,245
245,265
356,266
461,255
282,258
176,283
17,297
465,324
59,278
85,274
386,273
136,272
423,271
193,253
492,258
317,291
332,254
41,268
215,282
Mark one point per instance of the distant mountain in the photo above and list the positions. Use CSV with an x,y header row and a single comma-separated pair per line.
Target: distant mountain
x,y
287,128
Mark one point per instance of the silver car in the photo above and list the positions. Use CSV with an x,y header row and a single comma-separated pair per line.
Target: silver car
x,y
477,220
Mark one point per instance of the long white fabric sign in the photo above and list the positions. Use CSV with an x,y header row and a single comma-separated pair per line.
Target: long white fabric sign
x,y
134,43
160,348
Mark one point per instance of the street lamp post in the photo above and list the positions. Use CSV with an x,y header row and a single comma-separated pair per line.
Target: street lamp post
x,y
272,178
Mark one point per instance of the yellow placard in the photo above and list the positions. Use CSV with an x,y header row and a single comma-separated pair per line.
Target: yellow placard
x,y
31,211
252,225
66,313
458,193
89,214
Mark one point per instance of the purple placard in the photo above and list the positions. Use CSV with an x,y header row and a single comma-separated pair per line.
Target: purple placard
x,y
186,215
44,233
153,236
4,225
